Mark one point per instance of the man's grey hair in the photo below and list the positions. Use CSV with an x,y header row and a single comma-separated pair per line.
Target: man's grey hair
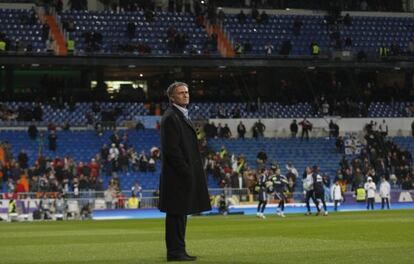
x,y
173,86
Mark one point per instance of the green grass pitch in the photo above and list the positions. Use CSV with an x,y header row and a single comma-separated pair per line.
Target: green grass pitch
x,y
354,237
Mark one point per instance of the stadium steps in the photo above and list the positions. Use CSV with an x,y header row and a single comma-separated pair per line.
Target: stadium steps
x,y
224,44
56,35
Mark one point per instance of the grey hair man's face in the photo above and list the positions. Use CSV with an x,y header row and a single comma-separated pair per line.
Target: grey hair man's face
x,y
179,95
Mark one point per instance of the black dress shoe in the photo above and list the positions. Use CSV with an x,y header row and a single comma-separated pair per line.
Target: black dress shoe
x,y
181,258
193,257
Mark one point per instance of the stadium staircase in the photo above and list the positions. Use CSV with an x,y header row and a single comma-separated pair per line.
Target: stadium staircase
x,y
224,44
56,35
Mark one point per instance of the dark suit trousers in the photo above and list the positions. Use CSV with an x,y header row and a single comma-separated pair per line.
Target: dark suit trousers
x,y
175,226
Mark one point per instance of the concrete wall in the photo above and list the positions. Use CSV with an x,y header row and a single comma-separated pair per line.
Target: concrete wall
x,y
280,127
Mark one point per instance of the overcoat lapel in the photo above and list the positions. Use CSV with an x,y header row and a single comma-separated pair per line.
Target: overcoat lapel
x,y
182,117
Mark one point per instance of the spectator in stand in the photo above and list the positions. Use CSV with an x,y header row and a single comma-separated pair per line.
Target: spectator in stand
x,y
261,159
221,16
306,127
407,183
219,130
241,17
347,20
315,49
383,51
226,131
263,18
241,130
32,131
131,28
269,48
143,162
293,129
255,15
258,129
94,169
340,144
52,138
139,126
235,113
297,25
23,159
239,48
410,49
332,130
113,157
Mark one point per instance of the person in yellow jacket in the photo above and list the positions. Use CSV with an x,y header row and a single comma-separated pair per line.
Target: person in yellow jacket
x,y
70,45
315,49
12,206
2,46
360,194
133,202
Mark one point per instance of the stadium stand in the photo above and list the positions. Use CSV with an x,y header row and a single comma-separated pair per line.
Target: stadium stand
x,y
112,28
83,146
22,31
276,31
15,113
366,33
81,114
106,32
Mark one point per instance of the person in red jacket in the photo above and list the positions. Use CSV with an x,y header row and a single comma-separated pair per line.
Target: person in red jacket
x,y
306,127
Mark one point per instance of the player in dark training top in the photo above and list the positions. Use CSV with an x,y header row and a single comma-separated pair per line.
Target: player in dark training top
x,y
280,184
262,189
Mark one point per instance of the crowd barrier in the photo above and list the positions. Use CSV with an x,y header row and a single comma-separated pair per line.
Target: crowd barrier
x,y
82,205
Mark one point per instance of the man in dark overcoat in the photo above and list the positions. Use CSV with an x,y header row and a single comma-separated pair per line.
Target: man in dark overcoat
x,y
183,184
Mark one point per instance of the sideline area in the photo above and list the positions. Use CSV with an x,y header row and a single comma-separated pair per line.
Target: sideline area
x,y
238,209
